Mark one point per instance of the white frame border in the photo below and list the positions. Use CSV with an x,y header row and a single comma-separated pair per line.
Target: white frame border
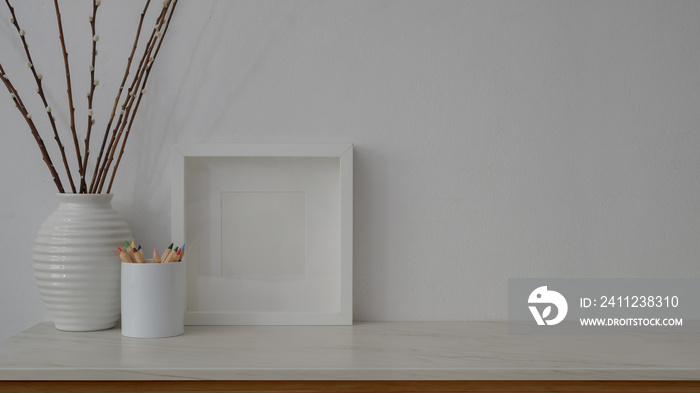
x,y
342,151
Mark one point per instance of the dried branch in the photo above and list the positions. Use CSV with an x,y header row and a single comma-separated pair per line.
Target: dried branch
x,y
28,117
126,107
142,91
99,163
40,90
124,111
93,84
70,98
127,110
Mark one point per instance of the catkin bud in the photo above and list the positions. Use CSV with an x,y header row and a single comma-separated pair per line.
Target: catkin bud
x,y
48,109
97,82
22,32
91,68
90,112
96,38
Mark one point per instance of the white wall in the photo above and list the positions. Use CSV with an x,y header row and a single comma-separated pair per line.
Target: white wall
x,y
493,139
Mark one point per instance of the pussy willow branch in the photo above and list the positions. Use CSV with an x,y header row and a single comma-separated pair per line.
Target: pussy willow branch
x,y
125,108
23,110
128,107
98,165
136,86
40,91
70,97
90,94
142,91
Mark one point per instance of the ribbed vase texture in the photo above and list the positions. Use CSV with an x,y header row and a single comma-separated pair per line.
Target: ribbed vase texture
x,y
76,264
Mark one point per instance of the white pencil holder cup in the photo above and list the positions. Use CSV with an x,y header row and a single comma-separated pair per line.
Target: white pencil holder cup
x,y
153,299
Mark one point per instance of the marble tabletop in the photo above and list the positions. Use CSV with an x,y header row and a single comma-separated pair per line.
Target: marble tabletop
x,y
365,351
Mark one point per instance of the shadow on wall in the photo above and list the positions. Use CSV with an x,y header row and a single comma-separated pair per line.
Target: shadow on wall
x,y
201,74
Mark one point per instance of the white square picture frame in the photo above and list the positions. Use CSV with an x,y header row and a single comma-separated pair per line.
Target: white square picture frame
x,y
268,232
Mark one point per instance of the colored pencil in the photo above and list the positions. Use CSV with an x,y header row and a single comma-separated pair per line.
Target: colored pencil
x,y
130,252
166,253
182,252
134,254
172,257
140,258
124,256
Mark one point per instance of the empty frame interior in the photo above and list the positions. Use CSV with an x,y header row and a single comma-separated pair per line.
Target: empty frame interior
x,y
263,239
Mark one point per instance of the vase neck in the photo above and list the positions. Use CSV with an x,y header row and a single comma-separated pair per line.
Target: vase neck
x,y
67,200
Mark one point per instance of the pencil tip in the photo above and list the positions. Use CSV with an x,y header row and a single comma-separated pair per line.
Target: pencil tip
x,y
171,246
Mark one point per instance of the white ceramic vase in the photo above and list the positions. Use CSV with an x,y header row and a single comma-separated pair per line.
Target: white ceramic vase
x,y
76,263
